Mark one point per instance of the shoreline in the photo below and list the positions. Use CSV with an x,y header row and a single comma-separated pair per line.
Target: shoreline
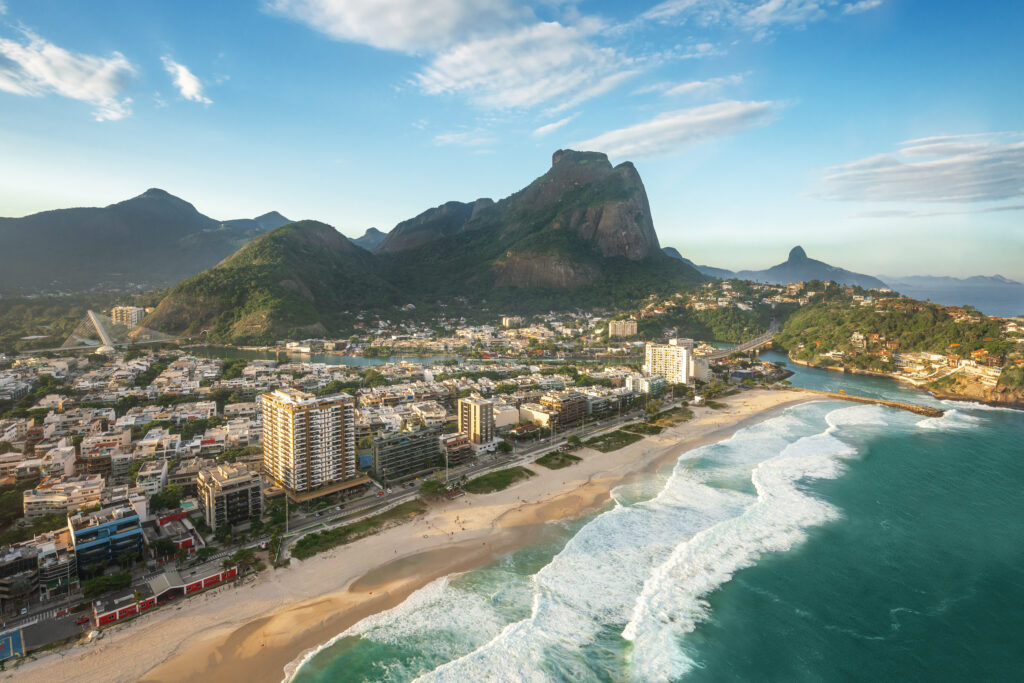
x,y
939,395
252,630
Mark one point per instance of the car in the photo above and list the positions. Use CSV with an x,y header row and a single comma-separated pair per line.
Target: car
x,y
337,508
380,493
62,612
24,610
83,620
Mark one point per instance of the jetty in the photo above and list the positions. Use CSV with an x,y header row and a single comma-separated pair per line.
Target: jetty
x,y
910,407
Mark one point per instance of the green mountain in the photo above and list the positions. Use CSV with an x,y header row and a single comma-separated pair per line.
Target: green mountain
x,y
580,235
296,280
152,240
370,239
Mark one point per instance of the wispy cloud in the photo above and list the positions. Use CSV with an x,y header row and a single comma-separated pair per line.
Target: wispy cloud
x,y
754,15
466,138
190,87
495,53
37,67
942,169
671,131
862,6
901,213
404,25
540,64
705,87
548,128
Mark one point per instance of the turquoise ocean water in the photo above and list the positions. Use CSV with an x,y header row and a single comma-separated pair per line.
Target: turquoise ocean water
x,y
833,541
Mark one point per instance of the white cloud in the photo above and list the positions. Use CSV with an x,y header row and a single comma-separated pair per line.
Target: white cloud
x,y
944,169
538,64
755,15
38,68
403,25
549,128
671,131
710,85
862,6
190,87
467,138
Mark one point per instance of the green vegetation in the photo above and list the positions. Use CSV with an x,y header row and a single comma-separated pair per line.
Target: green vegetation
x,y
18,533
1012,376
318,542
716,405
497,481
672,416
556,461
612,441
99,585
233,368
642,428
432,489
917,326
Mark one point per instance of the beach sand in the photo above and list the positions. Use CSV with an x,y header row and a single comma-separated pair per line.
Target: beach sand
x,y
250,631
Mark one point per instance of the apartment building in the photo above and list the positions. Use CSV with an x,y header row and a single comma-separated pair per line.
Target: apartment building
x,y
129,316
309,445
621,328
671,361
229,494
63,495
105,535
569,407
476,419
401,454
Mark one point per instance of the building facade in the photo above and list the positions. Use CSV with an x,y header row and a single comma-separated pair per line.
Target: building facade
x,y
229,495
129,316
570,407
401,454
104,535
622,328
476,419
309,444
671,361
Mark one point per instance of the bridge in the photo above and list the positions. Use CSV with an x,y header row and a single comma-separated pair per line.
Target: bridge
x,y
100,334
749,345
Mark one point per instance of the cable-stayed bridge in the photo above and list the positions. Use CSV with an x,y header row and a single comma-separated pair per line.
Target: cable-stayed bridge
x,y
99,333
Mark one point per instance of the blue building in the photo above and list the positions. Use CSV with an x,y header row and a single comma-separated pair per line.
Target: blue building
x,y
104,535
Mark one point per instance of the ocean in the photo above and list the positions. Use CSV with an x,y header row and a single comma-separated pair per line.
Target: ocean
x,y
833,541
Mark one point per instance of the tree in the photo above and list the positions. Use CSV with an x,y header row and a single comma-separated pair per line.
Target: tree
x,y
365,443
162,547
127,559
653,407
504,447
574,441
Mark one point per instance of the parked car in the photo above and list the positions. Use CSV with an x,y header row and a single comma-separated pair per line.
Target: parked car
x,y
83,620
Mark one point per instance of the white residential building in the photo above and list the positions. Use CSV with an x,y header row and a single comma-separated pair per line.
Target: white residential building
x,y
671,361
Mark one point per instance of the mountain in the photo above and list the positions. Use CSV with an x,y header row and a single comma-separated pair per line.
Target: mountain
x,y
295,280
799,268
370,239
267,221
152,240
992,295
710,271
579,235
584,227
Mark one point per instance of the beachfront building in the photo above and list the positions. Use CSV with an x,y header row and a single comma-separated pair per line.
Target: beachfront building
x,y
569,407
652,385
229,494
402,454
104,536
671,361
476,419
309,444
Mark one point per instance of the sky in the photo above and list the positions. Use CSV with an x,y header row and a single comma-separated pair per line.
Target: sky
x,y
884,136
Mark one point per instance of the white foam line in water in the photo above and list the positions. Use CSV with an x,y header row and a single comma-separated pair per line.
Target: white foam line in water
x,y
594,581
671,602
974,405
952,419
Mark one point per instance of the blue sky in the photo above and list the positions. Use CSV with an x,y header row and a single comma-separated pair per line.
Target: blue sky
x,y
885,136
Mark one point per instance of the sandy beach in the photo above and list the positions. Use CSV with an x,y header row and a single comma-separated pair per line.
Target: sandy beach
x,y
252,630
